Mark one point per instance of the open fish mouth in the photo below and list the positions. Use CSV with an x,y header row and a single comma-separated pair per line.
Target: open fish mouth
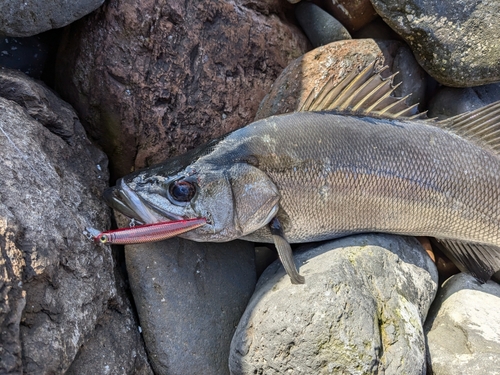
x,y
123,199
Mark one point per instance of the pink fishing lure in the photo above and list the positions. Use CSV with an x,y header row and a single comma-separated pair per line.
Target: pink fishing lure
x,y
145,233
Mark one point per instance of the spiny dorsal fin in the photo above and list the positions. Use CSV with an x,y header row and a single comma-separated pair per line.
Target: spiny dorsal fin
x,y
481,126
365,92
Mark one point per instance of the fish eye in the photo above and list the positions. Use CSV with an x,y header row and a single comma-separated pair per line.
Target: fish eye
x,y
181,191
103,238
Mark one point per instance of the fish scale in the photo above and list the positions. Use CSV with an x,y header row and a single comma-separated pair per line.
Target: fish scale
x,y
311,176
375,189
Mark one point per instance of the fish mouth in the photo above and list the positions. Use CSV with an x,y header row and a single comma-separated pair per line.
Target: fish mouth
x,y
123,199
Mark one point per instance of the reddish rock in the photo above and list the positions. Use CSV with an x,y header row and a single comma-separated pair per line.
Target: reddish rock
x,y
354,14
151,82
337,60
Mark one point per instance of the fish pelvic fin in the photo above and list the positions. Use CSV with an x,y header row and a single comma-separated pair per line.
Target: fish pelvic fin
x,y
481,261
481,126
285,252
361,93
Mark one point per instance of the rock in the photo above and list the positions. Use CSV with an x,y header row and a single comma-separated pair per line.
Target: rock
x,y
377,29
411,76
359,312
190,297
42,104
338,59
320,27
354,14
55,284
36,16
109,349
450,101
463,328
456,42
151,82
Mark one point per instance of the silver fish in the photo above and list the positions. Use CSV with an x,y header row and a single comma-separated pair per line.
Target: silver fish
x,y
308,176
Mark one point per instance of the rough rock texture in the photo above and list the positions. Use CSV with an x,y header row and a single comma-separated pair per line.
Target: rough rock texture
x,y
150,81
31,17
450,101
338,59
114,347
55,285
359,312
354,14
456,42
190,297
463,328
320,27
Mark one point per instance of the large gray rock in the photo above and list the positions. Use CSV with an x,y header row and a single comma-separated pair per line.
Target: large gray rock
x,y
360,311
55,285
190,297
30,17
463,328
456,42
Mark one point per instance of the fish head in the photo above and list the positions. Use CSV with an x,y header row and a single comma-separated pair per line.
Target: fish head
x,y
236,199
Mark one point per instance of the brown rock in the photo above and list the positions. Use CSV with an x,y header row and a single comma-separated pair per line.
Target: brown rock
x,y
354,14
336,60
153,81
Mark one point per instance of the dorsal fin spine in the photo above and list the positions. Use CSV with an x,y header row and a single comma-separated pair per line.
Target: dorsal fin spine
x,y
362,92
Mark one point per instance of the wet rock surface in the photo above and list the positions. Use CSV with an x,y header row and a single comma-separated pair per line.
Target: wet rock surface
x,y
190,297
151,82
456,42
335,61
360,311
56,286
463,328
35,16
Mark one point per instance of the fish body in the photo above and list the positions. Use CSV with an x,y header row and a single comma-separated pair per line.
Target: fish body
x,y
333,175
322,175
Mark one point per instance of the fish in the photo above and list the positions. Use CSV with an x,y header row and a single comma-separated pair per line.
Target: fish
x,y
353,159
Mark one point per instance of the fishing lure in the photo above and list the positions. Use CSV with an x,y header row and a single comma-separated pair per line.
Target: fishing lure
x,y
145,233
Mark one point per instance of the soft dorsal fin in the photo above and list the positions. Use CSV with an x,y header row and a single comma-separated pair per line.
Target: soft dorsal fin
x,y
481,126
365,92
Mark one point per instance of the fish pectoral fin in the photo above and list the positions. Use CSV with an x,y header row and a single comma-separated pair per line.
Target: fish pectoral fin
x,y
285,252
481,261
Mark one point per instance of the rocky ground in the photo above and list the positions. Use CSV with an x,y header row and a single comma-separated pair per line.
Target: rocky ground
x,y
142,81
